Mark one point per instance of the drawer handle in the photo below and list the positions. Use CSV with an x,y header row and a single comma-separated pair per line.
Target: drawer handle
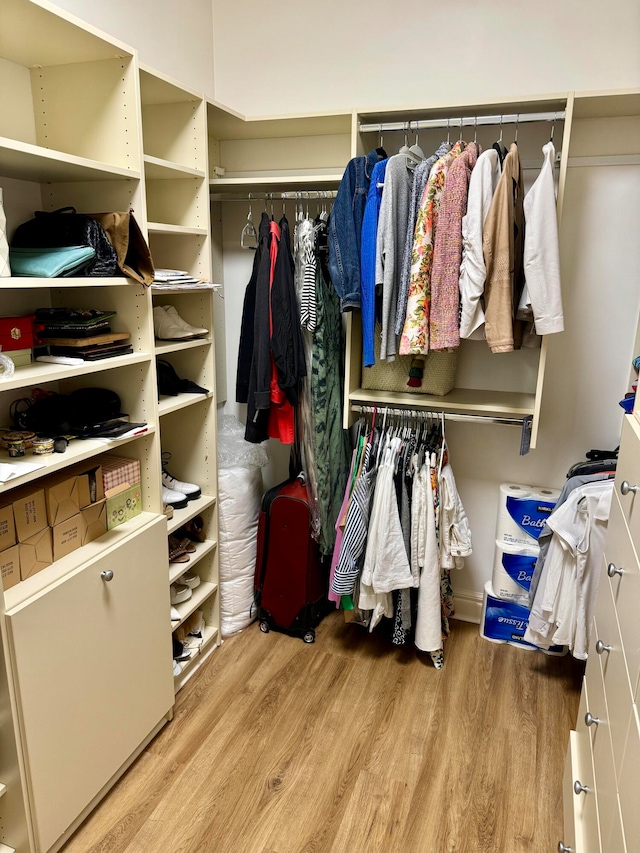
x,y
626,487
579,788
613,570
600,647
590,720
562,848
107,575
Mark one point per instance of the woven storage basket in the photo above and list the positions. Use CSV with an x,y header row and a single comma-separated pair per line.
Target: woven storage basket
x,y
439,372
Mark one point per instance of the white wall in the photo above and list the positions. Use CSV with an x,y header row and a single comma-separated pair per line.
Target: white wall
x,y
175,38
304,56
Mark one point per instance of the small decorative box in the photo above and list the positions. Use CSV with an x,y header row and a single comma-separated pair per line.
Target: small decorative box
x,y
117,470
16,333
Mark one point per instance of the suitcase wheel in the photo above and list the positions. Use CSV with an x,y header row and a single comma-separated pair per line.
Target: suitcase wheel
x,y
264,627
309,637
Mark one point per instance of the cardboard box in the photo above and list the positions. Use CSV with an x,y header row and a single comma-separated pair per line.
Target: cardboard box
x,y
118,470
7,527
29,512
10,566
123,503
90,484
62,498
67,536
36,553
95,521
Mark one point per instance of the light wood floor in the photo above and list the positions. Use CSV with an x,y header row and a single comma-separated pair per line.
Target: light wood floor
x,y
350,745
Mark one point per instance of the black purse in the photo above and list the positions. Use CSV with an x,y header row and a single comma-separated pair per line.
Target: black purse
x,y
65,227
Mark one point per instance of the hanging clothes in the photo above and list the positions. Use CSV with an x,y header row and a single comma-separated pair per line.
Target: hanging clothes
x,y
542,298
420,178
447,253
368,246
482,184
502,245
247,329
415,334
392,224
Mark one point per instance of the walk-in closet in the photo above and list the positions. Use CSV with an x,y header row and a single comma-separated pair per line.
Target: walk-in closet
x,y
283,317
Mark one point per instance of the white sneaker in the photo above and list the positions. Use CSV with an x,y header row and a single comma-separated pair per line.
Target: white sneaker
x,y
165,328
178,500
179,592
172,313
175,616
190,580
186,490
177,669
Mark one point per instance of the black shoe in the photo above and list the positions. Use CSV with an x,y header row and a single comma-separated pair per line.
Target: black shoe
x,y
179,651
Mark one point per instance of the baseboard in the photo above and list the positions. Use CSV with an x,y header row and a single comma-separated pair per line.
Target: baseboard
x,y
468,605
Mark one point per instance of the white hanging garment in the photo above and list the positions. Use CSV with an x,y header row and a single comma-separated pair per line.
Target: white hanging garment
x,y
455,533
5,270
428,622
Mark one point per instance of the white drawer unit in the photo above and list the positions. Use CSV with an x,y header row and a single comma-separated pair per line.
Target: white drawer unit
x,y
608,705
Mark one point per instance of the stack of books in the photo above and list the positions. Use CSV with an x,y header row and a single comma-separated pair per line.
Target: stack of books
x,y
80,333
170,279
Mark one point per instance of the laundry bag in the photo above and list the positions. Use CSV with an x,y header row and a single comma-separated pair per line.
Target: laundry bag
x,y
240,491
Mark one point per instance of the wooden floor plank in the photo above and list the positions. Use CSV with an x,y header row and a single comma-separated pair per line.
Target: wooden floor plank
x,y
351,744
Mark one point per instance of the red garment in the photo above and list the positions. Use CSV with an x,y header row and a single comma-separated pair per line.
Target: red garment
x,y
281,413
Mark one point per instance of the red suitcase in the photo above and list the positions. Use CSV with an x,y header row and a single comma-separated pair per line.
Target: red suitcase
x,y
291,580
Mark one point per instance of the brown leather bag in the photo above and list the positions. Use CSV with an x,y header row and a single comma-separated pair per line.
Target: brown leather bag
x,y
134,257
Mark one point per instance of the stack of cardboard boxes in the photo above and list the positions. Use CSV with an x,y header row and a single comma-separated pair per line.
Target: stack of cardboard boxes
x,y
46,521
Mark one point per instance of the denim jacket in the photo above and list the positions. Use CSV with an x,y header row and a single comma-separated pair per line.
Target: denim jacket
x,y
345,228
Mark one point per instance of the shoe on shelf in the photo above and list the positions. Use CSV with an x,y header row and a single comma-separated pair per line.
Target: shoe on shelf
x,y
186,544
176,500
193,529
175,616
177,669
190,490
191,580
165,328
179,592
194,331
177,554
167,509
179,651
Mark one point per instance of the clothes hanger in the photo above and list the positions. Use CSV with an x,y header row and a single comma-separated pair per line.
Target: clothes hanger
x,y
249,236
498,146
415,154
515,138
405,148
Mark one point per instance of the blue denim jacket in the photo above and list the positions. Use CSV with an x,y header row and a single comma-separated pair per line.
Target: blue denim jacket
x,y
345,228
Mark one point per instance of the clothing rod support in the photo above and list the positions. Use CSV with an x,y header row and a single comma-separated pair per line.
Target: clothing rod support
x,y
450,416
461,121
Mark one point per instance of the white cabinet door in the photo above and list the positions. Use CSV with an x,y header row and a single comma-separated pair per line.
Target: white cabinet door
x,y
93,675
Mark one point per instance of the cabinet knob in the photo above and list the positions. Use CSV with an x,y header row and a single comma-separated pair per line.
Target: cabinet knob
x,y
626,487
590,720
601,647
562,848
579,788
107,575
613,570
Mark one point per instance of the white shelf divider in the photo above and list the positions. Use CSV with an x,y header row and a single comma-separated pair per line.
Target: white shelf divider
x,y
182,401
27,162
164,228
38,371
158,170
181,516
164,347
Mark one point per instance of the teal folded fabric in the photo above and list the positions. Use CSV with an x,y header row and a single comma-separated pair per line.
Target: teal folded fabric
x,y
50,263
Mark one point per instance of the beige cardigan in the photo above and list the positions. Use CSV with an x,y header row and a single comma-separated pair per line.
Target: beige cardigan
x,y
502,247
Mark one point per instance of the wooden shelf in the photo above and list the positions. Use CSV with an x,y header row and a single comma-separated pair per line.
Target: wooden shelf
x,y
200,594
176,570
198,657
462,400
181,516
28,162
77,451
182,230
38,372
182,401
164,347
157,169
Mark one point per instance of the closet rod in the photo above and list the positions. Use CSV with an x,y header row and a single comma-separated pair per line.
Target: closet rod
x,y
289,195
450,416
461,121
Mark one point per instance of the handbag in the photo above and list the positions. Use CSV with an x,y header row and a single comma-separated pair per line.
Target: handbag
x,y
133,254
66,228
438,378
51,263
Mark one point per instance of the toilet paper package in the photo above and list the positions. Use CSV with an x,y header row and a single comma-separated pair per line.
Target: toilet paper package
x,y
506,622
513,567
522,512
